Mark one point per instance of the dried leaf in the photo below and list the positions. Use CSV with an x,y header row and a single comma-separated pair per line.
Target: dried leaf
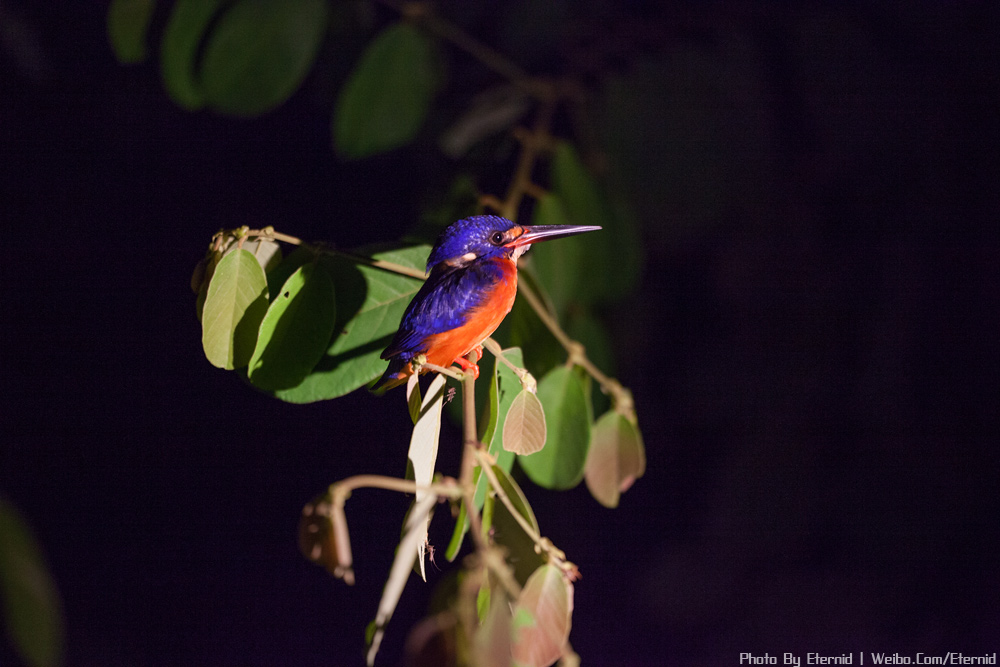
x,y
548,598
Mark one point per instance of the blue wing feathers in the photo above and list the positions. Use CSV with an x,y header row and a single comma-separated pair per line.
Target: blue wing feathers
x,y
443,303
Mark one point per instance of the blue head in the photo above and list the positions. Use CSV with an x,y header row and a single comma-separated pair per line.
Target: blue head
x,y
486,237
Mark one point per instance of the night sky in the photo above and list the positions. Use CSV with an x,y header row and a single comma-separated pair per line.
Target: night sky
x,y
815,369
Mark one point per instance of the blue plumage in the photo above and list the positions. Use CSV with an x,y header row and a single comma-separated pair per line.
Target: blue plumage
x,y
470,289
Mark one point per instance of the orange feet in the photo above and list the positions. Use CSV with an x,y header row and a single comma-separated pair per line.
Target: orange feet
x,y
469,366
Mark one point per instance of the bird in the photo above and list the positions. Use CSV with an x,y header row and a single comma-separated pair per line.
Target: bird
x,y
470,288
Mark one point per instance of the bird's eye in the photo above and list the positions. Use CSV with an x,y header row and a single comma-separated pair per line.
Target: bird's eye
x,y
497,238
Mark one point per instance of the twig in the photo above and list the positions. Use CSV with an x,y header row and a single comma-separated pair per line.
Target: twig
x,y
527,380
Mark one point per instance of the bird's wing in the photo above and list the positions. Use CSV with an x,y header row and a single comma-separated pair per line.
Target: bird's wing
x,y
443,303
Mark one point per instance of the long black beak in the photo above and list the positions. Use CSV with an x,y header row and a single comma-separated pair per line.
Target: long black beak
x,y
535,233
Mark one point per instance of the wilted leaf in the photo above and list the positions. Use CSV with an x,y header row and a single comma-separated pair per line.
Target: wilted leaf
x,y
318,537
31,605
548,598
615,460
295,331
268,254
179,48
128,21
559,465
384,102
423,451
370,304
504,386
234,307
524,428
406,553
490,112
260,52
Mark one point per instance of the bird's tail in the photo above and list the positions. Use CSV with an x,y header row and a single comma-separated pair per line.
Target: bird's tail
x,y
395,375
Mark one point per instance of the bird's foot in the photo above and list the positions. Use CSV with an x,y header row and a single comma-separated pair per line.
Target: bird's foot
x,y
469,366
478,350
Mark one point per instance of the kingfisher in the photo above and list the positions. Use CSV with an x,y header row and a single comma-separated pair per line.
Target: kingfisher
x,y
470,288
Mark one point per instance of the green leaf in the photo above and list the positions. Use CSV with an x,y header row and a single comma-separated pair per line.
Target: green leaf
x,y
548,598
179,49
504,386
277,275
128,22
423,451
31,605
616,458
542,352
524,428
509,534
384,102
610,258
560,266
260,52
295,331
370,304
559,465
234,307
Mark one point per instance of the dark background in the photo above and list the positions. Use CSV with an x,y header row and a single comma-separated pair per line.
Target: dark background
x,y
812,349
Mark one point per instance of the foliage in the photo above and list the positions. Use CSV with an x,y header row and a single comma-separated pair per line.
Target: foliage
x,y
32,610
310,325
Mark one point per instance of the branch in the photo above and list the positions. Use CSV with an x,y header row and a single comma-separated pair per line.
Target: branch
x,y
268,234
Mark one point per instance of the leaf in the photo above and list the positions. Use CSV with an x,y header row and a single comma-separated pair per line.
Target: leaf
x,y
423,451
508,533
504,385
542,352
277,275
31,604
492,643
610,257
560,266
234,307
188,21
616,458
370,304
524,428
295,331
323,537
128,22
406,553
548,598
384,102
559,465
260,52
268,254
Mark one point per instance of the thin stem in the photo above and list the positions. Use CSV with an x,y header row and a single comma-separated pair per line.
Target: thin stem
x,y
526,378
577,355
344,487
268,233
531,143
470,450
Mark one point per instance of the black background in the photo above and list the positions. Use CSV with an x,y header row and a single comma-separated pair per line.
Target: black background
x,y
815,377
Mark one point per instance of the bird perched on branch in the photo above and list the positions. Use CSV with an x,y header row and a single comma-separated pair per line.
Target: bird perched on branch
x,y
470,289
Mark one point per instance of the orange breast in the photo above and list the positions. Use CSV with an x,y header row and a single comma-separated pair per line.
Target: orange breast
x,y
445,347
